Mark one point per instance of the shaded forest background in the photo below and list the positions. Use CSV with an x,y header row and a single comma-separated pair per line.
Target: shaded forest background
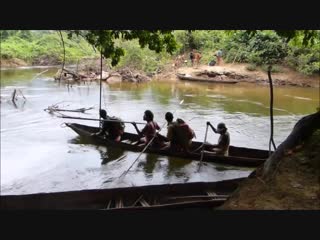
x,y
44,47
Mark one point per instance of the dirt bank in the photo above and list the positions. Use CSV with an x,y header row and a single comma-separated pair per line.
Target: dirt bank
x,y
286,77
14,62
110,76
296,184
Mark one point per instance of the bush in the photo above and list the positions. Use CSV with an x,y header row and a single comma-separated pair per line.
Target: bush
x,y
265,47
141,58
305,60
251,67
269,47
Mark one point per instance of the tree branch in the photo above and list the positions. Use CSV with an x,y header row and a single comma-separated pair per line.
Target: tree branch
x,y
64,53
271,111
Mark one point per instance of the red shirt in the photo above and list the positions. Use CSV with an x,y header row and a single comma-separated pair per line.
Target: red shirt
x,y
149,131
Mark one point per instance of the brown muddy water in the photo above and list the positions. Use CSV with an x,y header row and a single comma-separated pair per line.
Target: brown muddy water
x,y
39,155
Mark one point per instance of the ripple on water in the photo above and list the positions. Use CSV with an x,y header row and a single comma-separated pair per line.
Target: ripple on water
x,y
40,156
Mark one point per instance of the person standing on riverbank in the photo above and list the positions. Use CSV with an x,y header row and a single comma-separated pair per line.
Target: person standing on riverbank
x,y
218,54
192,57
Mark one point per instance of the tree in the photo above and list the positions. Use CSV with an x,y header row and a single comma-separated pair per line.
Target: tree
x,y
104,41
308,36
305,126
302,130
24,34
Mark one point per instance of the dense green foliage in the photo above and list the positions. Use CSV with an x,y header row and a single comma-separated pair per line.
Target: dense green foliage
x,y
142,58
151,50
297,49
262,48
36,47
104,41
306,59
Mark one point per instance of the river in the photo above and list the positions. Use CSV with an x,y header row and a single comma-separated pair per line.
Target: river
x,y
39,155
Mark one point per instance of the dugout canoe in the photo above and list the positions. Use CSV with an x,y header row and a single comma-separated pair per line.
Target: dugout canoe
x,y
164,196
199,79
238,156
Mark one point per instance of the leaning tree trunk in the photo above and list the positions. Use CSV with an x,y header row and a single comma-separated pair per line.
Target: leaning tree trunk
x,y
301,131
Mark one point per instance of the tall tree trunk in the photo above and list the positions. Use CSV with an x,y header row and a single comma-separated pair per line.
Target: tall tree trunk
x,y
64,54
271,111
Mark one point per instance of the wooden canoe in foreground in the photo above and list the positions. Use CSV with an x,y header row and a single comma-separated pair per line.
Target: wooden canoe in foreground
x,y
166,196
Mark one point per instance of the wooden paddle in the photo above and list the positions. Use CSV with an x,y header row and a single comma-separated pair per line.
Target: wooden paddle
x,y
205,139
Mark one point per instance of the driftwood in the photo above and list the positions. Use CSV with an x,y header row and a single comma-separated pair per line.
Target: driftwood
x,y
63,75
55,108
15,94
129,75
122,75
303,129
74,74
82,110
13,98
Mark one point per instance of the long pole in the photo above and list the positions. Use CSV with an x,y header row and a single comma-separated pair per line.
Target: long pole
x,y
102,120
100,124
204,142
124,173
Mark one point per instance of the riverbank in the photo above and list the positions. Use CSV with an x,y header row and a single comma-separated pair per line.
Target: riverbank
x,y
19,63
286,77
295,185
13,62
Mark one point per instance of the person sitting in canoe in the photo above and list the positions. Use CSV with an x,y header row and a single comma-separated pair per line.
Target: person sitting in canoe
x,y
222,148
182,136
149,131
179,134
112,130
170,127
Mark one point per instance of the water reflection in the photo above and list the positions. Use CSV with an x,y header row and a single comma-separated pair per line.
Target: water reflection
x,y
176,168
107,153
149,164
111,154
77,163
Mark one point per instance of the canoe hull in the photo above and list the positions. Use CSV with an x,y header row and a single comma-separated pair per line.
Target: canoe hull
x,y
238,156
198,79
197,194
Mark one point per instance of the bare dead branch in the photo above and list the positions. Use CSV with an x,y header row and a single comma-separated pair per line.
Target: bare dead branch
x,y
64,53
